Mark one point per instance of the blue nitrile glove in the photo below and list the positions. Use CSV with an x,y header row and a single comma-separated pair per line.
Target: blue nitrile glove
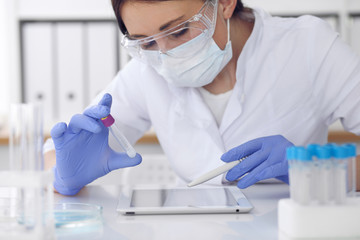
x,y
265,158
82,150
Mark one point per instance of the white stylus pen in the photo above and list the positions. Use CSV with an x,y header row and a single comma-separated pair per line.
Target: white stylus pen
x,y
214,173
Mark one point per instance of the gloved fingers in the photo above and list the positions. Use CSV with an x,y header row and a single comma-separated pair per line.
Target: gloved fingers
x,y
81,122
264,171
279,170
284,178
243,150
60,186
57,132
122,160
106,100
253,176
97,111
276,170
244,183
247,165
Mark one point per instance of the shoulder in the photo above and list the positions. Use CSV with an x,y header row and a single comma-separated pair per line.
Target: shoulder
x,y
305,36
136,69
139,80
305,26
138,75
282,22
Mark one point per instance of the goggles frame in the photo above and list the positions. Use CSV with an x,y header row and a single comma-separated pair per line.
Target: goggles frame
x,y
206,17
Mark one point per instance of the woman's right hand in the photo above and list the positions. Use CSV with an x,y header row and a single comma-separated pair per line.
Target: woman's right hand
x,y
82,150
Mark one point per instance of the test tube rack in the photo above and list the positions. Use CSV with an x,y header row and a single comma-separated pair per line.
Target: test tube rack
x,y
296,221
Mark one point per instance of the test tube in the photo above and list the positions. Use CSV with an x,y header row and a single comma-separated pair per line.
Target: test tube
x,y
33,199
340,170
26,137
332,147
351,176
323,153
293,171
305,176
119,137
312,148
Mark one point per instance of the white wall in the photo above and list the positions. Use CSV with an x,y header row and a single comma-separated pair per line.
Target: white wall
x,y
64,9
4,63
9,57
14,11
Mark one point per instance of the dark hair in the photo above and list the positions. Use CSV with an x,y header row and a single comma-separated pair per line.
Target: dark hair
x,y
116,4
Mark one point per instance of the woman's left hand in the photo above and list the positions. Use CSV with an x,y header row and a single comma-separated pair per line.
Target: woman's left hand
x,y
265,158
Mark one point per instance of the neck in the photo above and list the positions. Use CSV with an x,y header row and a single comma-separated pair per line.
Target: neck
x,y
239,33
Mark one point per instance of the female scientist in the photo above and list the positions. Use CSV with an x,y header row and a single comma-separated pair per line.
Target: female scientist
x,y
216,81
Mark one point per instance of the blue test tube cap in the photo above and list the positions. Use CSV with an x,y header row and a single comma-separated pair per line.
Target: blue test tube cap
x,y
312,148
351,149
302,154
324,152
331,147
341,152
291,153
331,144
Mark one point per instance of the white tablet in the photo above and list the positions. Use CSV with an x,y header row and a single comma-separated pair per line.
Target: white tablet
x,y
183,200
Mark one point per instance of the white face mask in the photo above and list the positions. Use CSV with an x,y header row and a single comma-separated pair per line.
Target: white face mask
x,y
198,70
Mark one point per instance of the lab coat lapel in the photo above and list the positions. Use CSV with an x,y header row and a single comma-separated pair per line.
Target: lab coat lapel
x,y
237,100
190,106
233,110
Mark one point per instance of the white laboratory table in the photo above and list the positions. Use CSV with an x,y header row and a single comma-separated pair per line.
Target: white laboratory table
x,y
260,223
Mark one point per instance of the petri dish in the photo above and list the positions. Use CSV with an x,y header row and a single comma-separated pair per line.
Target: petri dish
x,y
77,215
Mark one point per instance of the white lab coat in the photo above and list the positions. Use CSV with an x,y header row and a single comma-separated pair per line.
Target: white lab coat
x,y
294,77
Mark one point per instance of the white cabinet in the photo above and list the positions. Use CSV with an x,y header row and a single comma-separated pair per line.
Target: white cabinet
x,y
69,54
355,33
333,21
38,65
101,56
66,63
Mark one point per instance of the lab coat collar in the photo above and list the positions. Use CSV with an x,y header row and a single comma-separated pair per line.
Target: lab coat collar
x,y
189,104
236,102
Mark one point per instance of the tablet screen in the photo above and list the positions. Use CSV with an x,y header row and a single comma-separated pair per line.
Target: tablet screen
x,y
182,197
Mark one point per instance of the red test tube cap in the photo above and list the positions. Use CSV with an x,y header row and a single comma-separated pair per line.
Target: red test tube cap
x,y
108,121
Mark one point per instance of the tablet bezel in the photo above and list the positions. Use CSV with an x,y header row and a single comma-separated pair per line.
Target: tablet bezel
x,y
123,207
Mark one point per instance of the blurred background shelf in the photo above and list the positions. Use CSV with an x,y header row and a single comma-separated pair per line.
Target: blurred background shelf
x,y
150,138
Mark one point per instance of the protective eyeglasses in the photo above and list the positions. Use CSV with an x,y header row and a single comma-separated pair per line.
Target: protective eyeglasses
x,y
202,23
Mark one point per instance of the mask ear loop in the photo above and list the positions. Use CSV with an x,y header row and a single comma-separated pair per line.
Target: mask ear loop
x,y
228,29
242,98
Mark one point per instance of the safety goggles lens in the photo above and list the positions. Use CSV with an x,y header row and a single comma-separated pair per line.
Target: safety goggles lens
x,y
201,23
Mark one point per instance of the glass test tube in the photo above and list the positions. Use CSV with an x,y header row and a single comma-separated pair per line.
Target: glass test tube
x,y
119,137
26,137
34,192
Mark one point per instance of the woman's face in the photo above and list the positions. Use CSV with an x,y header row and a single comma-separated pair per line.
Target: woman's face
x,y
144,19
